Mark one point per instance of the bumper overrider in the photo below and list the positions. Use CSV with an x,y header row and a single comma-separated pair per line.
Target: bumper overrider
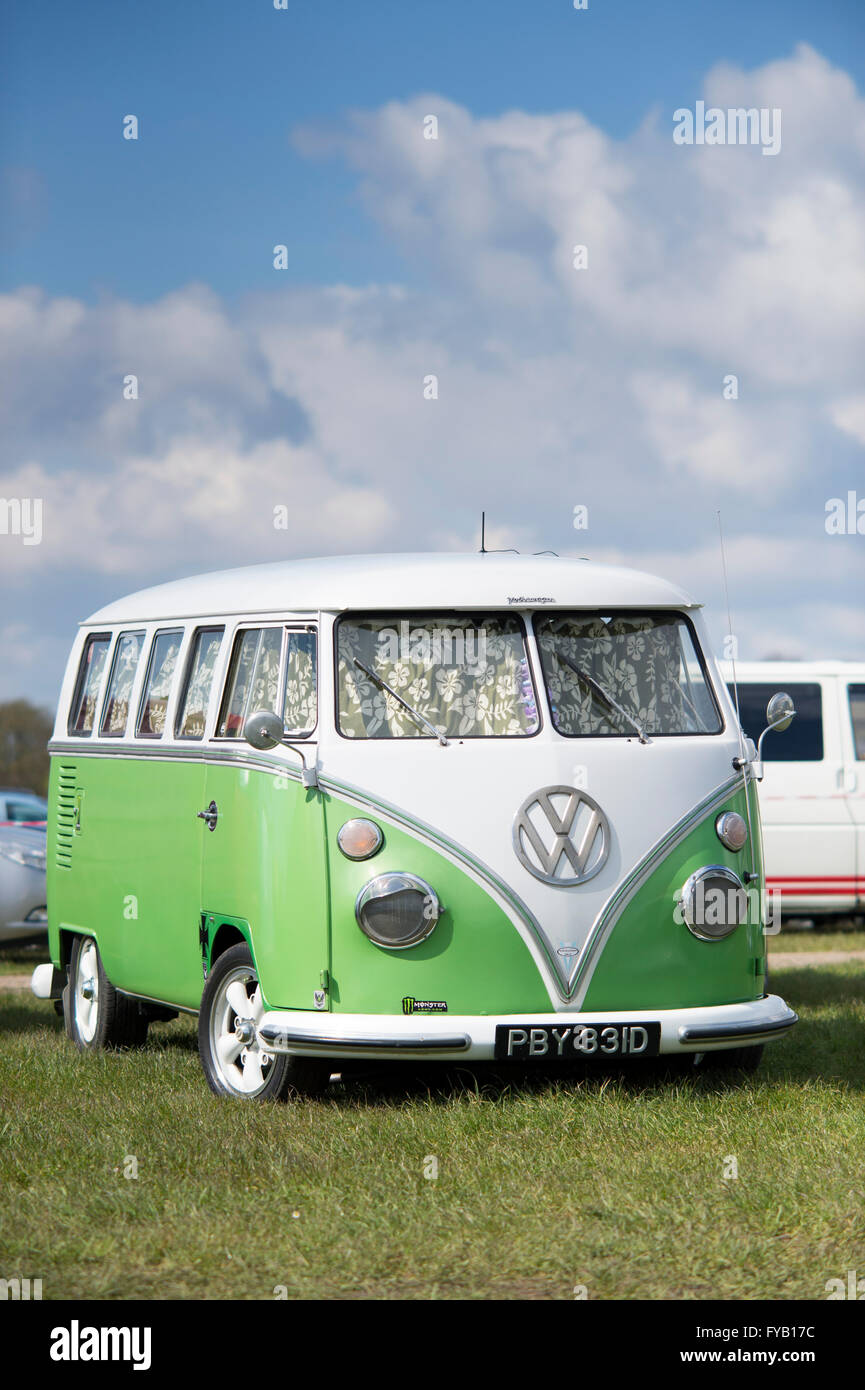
x,y
444,1036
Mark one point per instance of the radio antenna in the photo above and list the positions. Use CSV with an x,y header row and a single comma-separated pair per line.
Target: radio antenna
x,y
741,761
730,627
509,550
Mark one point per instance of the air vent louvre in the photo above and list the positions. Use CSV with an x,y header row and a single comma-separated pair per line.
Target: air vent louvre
x,y
66,789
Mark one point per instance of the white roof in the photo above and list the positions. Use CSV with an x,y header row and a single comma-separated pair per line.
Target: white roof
x,y
392,582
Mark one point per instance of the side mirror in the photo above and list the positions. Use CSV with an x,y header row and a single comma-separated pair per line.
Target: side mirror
x,y
264,730
779,712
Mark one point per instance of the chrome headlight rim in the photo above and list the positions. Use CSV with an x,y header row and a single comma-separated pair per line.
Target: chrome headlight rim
x,y
727,824
385,885
688,894
364,821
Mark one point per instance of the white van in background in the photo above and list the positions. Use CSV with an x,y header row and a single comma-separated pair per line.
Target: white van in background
x,y
812,797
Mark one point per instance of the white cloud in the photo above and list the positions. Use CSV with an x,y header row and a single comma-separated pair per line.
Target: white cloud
x,y
556,386
849,416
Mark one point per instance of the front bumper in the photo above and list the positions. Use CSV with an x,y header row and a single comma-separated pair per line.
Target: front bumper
x,y
445,1036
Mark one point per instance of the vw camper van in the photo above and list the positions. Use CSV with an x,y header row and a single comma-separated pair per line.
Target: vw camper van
x,y
812,795
417,807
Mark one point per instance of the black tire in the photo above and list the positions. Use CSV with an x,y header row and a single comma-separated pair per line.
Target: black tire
x,y
96,1014
251,1073
736,1058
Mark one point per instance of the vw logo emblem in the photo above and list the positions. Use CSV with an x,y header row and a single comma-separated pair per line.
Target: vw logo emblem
x,y
562,836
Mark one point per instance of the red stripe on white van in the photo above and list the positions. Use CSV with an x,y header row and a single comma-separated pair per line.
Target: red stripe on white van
x,y
816,878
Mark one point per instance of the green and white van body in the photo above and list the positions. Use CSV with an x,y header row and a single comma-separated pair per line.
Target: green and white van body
x,y
551,867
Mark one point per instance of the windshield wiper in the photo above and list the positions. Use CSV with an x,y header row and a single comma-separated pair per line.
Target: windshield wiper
x,y
602,694
383,685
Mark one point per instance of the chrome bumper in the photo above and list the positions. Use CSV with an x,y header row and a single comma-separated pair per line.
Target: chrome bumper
x,y
473,1036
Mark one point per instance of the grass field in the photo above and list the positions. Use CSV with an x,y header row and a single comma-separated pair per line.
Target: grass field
x,y
615,1182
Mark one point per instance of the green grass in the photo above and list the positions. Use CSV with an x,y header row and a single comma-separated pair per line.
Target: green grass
x,y
615,1181
20,958
846,940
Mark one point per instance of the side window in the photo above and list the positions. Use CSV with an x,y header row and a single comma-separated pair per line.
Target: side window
x,y
157,687
857,715
115,712
802,742
253,679
192,715
82,716
299,709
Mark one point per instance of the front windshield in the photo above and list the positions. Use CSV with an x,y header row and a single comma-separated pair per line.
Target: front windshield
x,y
466,678
646,663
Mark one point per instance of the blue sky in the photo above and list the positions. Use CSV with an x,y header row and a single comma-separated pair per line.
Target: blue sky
x,y
213,181
409,258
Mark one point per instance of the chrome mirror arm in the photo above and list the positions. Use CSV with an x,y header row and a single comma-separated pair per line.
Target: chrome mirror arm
x,y
264,730
309,775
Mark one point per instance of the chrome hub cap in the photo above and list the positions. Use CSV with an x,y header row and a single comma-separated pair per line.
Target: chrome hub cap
x,y
87,992
239,1059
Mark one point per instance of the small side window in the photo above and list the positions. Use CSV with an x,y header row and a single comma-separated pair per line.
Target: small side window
x,y
856,694
192,715
82,716
253,679
115,713
157,687
300,705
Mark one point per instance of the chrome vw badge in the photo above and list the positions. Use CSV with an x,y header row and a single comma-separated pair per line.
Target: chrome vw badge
x,y
562,836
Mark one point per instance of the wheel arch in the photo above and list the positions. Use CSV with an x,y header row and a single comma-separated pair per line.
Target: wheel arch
x,y
223,933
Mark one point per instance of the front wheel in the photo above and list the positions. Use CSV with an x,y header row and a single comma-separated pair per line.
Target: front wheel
x,y
96,1014
234,1062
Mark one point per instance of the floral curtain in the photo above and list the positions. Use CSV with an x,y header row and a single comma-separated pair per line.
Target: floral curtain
x,y
93,663
299,712
166,648
116,712
197,698
647,663
467,679
253,681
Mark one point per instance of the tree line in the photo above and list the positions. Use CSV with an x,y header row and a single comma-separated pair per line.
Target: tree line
x,y
24,733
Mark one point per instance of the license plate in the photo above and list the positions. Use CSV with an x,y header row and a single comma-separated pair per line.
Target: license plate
x,y
563,1042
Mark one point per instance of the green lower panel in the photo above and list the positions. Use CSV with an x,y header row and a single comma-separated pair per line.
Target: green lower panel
x,y
652,961
475,960
133,880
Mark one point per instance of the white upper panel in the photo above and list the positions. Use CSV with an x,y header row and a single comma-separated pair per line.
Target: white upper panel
x,y
391,582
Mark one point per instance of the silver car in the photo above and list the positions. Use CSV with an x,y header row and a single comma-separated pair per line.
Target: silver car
x,y
23,915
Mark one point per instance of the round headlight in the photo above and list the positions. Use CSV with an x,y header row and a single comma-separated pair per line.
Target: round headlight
x,y
731,830
713,902
359,839
397,910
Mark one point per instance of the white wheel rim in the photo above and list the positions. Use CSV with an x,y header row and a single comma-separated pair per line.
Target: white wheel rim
x,y
242,1065
87,991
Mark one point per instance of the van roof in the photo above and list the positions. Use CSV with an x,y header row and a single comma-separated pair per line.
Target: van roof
x,y
434,581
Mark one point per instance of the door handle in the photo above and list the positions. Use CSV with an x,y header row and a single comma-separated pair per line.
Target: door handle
x,y
211,815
